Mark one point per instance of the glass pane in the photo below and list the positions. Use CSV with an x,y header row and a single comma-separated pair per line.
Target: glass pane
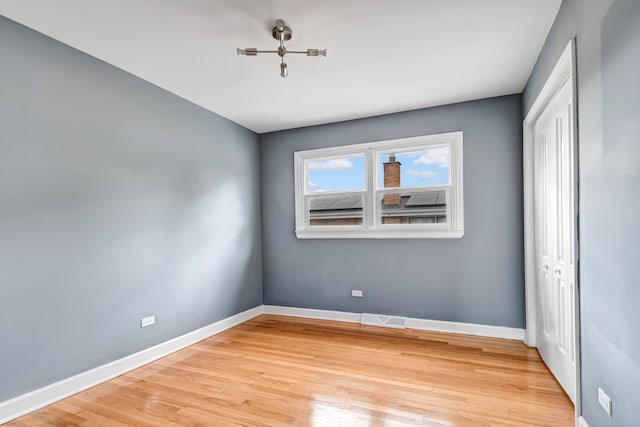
x,y
344,209
415,168
336,174
425,207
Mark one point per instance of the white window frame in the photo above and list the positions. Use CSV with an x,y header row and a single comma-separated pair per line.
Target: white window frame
x,y
371,227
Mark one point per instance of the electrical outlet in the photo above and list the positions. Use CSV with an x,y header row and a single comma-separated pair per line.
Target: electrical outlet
x,y
604,401
356,293
147,321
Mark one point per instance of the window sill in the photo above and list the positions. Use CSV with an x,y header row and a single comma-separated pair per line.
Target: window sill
x,y
380,234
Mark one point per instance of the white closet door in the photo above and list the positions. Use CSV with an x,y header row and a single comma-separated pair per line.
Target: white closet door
x,y
554,238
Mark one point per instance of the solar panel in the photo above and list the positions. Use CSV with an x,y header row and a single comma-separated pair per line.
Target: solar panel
x,y
347,203
335,203
427,198
320,204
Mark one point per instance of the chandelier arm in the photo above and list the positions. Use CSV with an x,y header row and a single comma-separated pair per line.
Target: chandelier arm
x,y
310,52
252,51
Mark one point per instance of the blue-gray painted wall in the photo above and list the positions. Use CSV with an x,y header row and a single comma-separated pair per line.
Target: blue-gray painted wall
x,y
608,60
477,279
113,196
118,200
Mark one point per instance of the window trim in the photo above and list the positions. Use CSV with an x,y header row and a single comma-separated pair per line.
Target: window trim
x,y
370,229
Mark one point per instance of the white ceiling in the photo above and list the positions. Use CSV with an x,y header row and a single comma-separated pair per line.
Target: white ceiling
x,y
383,56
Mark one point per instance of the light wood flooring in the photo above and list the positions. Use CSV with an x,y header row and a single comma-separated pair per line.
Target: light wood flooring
x,y
274,371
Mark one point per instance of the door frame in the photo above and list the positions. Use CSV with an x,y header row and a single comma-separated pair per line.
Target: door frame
x,y
564,71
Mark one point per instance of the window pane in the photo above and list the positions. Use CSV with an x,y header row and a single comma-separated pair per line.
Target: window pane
x,y
336,174
415,168
425,207
344,209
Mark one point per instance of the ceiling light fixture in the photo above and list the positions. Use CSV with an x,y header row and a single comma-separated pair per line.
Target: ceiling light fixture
x,y
282,33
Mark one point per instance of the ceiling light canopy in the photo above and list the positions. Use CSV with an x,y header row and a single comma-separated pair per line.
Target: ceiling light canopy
x,y
281,33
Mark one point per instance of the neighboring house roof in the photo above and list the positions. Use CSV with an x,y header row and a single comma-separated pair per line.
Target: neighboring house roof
x,y
336,203
342,206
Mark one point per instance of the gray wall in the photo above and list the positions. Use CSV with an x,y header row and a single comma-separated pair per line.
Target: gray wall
x,y
477,279
608,53
118,200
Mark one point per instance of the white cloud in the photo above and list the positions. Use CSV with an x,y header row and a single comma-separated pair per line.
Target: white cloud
x,y
421,174
435,156
331,164
315,188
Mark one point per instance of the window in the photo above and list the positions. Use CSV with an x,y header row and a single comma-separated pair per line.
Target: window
x,y
404,188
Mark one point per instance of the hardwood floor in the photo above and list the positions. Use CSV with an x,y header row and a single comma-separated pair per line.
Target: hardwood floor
x,y
275,371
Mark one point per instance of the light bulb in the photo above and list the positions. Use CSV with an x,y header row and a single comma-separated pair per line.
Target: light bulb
x,y
283,70
250,51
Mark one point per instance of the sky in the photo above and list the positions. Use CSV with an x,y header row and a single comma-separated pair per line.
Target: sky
x,y
424,167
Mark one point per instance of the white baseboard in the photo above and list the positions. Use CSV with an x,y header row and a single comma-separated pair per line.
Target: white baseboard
x,y
466,328
582,422
312,313
412,323
47,395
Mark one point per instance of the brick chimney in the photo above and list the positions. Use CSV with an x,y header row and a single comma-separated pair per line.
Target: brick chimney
x,y
392,179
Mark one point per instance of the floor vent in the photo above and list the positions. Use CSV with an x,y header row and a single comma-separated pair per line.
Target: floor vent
x,y
385,321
